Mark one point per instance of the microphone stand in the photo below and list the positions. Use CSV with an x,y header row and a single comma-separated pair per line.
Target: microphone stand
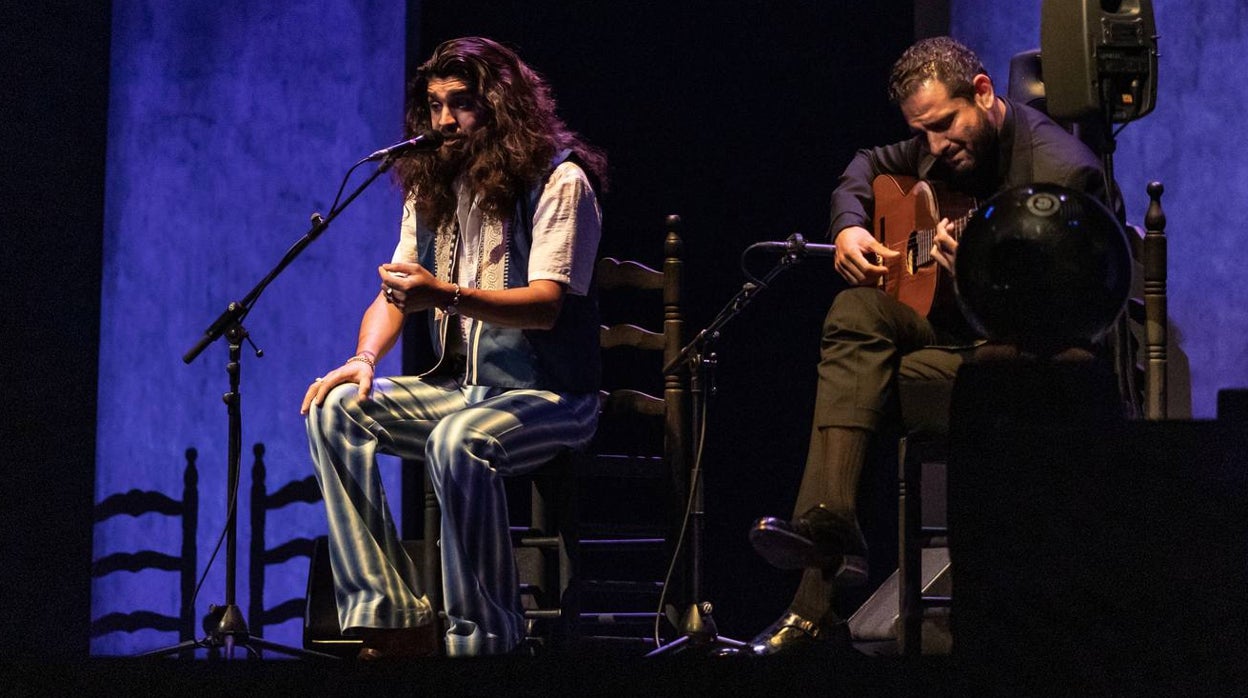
x,y
697,627
230,630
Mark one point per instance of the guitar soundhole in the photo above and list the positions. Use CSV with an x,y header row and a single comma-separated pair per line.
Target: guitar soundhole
x,y
912,253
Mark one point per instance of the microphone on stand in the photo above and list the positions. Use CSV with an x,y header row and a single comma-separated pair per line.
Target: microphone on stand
x,y
792,251
797,247
423,142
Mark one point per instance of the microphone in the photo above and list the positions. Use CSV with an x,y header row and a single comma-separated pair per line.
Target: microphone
x,y
797,246
423,142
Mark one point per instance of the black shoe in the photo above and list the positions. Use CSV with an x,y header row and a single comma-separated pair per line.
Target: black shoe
x,y
793,632
820,538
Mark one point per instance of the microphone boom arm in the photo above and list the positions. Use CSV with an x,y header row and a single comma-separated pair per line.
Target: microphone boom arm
x,y
691,353
237,310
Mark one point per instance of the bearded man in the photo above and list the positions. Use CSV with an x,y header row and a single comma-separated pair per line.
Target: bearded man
x,y
875,350
499,235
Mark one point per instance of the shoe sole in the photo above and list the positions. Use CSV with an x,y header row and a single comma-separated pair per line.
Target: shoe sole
x,y
786,550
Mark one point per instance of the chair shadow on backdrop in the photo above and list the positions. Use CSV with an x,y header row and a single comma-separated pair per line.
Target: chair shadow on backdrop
x,y
136,503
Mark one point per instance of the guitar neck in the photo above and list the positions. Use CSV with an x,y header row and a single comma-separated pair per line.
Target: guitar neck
x,y
926,237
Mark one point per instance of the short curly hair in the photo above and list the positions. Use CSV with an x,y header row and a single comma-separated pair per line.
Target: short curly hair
x,y
939,58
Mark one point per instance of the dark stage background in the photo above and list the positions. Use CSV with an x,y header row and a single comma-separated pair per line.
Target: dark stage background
x,y
52,120
738,119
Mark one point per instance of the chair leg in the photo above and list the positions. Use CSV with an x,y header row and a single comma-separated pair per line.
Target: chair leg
x,y
542,490
432,567
554,515
910,571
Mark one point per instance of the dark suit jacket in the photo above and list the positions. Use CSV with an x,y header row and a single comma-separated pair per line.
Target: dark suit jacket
x,y
1033,148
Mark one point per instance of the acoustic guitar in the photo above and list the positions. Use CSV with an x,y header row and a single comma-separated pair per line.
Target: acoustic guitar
x,y
907,210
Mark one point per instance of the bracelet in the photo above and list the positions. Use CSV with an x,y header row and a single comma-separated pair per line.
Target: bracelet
x,y
452,306
364,356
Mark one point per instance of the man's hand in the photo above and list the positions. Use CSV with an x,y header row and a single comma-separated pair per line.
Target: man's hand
x,y
944,246
353,371
857,252
411,288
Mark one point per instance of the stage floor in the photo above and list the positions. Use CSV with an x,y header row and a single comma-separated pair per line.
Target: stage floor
x,y
816,672
691,673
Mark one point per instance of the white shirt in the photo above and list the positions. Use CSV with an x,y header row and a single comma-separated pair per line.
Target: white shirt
x,y
567,226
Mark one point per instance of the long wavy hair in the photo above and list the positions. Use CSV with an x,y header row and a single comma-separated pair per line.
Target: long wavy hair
x,y
511,149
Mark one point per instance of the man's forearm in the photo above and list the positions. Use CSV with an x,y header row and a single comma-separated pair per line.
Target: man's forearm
x,y
380,328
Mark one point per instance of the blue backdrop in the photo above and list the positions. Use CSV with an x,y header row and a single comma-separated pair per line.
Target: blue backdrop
x,y
1187,144
230,122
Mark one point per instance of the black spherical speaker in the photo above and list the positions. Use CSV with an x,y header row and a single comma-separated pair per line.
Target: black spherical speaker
x,y
1044,267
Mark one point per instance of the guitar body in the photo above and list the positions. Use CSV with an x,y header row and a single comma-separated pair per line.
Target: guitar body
x,y
906,212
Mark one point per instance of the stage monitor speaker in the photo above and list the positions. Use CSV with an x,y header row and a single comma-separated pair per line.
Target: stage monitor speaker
x,y
1099,57
321,631
873,627
1233,404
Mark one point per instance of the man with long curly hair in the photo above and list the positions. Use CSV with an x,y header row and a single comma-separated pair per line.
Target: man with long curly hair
x,y
878,356
498,239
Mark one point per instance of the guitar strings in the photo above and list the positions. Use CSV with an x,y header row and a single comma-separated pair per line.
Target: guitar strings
x,y
927,236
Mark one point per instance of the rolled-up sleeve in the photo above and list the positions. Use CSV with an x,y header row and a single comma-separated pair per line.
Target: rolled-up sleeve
x,y
566,230
405,251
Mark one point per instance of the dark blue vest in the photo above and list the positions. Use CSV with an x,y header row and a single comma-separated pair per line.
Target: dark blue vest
x,y
564,358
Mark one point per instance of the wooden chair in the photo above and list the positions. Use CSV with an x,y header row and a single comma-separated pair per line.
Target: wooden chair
x,y
920,453
639,459
564,529
1143,387
135,503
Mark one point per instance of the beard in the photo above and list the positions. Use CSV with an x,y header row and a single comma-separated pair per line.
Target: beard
x,y
978,147
459,152
452,157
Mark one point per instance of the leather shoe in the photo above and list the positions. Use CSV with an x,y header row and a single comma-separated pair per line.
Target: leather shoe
x,y
399,643
793,632
820,538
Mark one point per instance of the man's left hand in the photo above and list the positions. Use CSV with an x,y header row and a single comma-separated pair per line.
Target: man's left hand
x,y
411,288
944,246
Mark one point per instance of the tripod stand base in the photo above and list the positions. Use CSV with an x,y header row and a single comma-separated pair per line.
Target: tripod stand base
x,y
698,631
231,632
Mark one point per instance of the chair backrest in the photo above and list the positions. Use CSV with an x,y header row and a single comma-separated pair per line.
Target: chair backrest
x,y
1145,384
262,502
135,503
625,404
1027,86
641,438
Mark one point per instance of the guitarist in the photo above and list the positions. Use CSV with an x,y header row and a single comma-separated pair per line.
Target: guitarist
x,y
876,350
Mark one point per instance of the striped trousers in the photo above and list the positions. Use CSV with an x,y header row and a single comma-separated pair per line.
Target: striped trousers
x,y
469,437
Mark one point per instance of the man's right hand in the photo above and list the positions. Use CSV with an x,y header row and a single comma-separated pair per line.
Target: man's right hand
x,y
857,252
351,372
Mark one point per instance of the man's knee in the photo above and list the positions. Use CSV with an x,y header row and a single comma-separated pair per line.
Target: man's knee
x,y
856,308
343,397
342,400
453,446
